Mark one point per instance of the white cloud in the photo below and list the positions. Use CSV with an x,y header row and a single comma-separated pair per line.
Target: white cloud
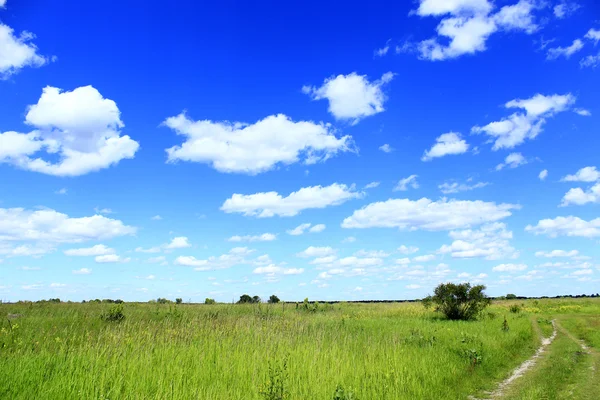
x,y
2,3
265,237
413,286
586,174
593,34
179,242
382,51
156,218
269,204
566,226
235,256
427,215
425,258
97,250
407,249
403,184
579,196
190,261
455,187
403,261
543,175
61,191
565,9
516,128
103,210
582,111
467,24
299,230
491,241
513,160
254,148
17,52
323,260
449,143
111,258
317,228
80,127
372,253
273,269
591,61
57,285
557,253
313,251
351,97
566,52
386,148
150,250
349,239
47,225
509,268
82,271
372,185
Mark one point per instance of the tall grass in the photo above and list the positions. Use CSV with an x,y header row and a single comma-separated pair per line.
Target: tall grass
x,y
376,351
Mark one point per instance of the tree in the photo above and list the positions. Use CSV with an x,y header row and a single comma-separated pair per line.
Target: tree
x,y
461,301
255,299
178,300
209,301
245,299
274,299
511,296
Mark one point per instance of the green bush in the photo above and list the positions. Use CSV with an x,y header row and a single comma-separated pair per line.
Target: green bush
x,y
114,314
515,308
209,301
342,394
458,302
178,300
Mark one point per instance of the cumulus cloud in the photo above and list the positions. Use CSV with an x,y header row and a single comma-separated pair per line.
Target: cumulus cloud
x,y
556,52
513,160
80,128
269,204
254,148
586,174
467,24
372,185
47,225
386,148
265,237
407,249
180,242
235,256
352,97
425,214
405,183
302,228
518,127
97,250
449,143
455,187
273,269
566,226
579,196
491,241
593,35
557,253
82,271
543,175
317,228
509,268
313,251
17,51
111,258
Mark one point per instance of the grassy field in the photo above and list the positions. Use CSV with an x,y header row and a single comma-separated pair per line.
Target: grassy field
x,y
365,351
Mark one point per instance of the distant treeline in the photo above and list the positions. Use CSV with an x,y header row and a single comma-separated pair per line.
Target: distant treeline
x,y
274,299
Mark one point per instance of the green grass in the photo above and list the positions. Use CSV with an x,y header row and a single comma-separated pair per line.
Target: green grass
x,y
377,351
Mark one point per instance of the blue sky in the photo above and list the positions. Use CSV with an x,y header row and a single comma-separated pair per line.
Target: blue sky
x,y
367,152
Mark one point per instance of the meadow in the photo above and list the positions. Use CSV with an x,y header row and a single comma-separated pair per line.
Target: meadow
x,y
274,351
